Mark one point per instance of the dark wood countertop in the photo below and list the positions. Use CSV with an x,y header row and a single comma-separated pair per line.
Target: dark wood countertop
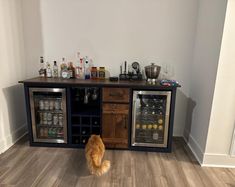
x,y
106,82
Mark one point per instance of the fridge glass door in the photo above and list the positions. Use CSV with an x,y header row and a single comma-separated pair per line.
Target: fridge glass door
x,y
48,115
150,118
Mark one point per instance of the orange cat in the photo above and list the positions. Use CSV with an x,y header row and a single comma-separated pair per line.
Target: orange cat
x,y
94,153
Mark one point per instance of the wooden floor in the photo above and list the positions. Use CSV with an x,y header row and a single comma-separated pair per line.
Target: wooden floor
x,y
26,166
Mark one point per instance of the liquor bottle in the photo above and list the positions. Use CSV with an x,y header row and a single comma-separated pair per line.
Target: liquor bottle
x,y
71,70
55,70
62,66
77,67
87,68
64,69
42,70
82,74
48,70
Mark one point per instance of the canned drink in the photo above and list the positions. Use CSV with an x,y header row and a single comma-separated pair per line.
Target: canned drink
x,y
51,105
60,120
44,122
49,123
44,116
61,105
49,132
46,105
53,132
45,132
57,104
55,119
49,116
41,118
41,105
59,133
41,132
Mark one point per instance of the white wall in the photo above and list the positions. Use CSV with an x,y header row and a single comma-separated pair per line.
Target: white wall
x,y
12,110
33,41
222,119
204,68
111,32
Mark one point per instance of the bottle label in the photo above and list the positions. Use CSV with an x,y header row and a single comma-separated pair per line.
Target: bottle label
x,y
93,74
102,74
55,73
64,74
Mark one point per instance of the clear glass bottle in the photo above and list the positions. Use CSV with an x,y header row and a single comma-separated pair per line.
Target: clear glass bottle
x,y
55,70
42,70
81,69
87,68
48,70
77,67
64,69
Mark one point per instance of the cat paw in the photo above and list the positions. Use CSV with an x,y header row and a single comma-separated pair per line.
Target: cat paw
x,y
107,163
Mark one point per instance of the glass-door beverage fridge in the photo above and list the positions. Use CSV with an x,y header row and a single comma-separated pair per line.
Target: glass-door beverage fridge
x,y
150,118
48,114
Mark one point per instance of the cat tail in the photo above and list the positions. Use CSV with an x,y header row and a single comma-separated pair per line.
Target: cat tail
x,y
100,169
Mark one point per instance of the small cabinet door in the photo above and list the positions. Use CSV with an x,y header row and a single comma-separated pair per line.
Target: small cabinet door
x,y
115,125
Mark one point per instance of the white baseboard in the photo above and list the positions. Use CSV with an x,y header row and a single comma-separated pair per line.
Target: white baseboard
x,y
8,141
194,147
218,160
1,146
209,159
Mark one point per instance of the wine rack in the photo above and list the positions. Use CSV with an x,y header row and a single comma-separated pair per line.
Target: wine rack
x,y
85,114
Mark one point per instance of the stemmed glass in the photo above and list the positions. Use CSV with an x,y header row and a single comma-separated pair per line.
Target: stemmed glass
x,y
168,71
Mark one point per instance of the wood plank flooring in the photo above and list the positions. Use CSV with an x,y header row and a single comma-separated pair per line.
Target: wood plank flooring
x,y
24,166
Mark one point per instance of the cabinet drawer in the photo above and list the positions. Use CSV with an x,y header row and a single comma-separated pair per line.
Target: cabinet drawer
x,y
116,95
115,108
